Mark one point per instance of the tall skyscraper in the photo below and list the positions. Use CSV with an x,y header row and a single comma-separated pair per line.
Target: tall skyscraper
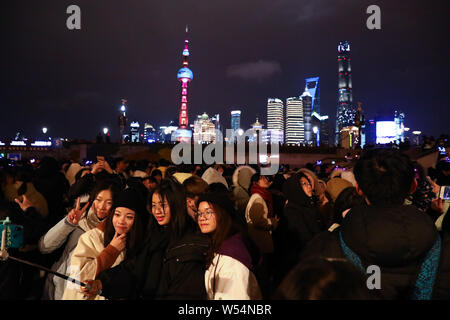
x,y
307,112
295,127
185,76
235,119
345,113
312,86
275,120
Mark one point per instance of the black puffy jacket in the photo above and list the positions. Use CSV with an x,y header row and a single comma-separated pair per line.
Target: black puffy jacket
x,y
300,222
396,239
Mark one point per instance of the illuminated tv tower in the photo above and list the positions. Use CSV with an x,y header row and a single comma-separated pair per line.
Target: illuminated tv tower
x,y
185,76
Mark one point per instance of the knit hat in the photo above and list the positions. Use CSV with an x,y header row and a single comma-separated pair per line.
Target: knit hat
x,y
131,199
335,186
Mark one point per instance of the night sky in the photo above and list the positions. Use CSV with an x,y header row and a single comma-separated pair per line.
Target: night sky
x,y
242,52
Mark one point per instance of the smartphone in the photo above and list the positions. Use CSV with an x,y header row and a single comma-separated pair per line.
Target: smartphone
x,y
14,235
444,193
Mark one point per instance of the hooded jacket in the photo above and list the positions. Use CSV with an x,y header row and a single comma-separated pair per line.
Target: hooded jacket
x,y
395,238
241,185
301,221
211,175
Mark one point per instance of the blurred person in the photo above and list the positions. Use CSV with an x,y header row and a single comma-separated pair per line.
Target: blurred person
x,y
241,187
301,220
211,175
195,187
324,279
384,232
157,174
232,257
262,221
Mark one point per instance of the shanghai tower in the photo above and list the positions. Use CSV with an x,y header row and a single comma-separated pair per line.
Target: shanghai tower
x,y
345,113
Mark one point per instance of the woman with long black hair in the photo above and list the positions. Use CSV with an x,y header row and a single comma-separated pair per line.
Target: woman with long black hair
x,y
172,249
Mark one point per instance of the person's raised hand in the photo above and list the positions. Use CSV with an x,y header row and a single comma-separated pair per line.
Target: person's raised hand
x,y
437,205
25,203
76,213
107,167
119,241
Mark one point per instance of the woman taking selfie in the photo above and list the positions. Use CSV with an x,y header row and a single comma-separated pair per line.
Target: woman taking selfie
x,y
172,250
109,243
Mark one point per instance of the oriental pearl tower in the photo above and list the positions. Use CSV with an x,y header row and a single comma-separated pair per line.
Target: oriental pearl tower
x,y
184,75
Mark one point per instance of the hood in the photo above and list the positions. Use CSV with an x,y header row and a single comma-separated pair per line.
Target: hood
x,y
211,175
72,172
181,176
294,193
242,176
389,236
235,248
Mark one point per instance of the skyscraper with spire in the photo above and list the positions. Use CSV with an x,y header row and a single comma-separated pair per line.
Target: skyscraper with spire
x,y
346,111
185,76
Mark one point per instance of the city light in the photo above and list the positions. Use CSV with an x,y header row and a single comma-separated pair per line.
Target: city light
x,y
105,131
315,130
44,130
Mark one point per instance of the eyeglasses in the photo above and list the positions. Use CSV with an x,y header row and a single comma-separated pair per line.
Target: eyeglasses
x,y
207,214
160,206
306,184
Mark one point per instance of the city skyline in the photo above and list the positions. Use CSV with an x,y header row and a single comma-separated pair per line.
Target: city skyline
x,y
72,81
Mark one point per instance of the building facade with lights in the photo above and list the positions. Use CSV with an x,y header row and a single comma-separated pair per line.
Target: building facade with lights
x,y
204,129
134,132
235,120
307,112
275,120
295,127
345,113
313,88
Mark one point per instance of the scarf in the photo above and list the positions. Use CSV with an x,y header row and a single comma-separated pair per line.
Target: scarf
x,y
266,195
89,221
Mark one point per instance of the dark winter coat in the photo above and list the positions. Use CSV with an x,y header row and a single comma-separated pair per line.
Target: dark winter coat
x,y
396,239
300,222
184,266
160,271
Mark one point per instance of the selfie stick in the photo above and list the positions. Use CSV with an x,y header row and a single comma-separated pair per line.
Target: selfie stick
x,y
4,256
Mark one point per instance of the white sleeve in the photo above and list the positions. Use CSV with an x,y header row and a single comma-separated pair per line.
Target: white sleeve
x,y
56,236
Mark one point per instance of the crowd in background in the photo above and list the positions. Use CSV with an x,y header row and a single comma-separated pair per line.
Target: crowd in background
x,y
136,229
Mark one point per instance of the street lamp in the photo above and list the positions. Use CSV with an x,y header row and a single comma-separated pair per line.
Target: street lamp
x,y
105,131
44,130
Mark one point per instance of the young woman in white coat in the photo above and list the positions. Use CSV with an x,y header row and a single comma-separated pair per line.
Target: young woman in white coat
x,y
232,256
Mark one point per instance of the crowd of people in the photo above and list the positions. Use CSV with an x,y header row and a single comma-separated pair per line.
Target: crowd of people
x,y
136,229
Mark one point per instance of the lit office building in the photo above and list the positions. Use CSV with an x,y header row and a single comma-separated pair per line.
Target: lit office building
x,y
295,128
275,120
134,132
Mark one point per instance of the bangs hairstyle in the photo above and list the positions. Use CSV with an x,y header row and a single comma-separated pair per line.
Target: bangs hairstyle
x,y
135,237
174,192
